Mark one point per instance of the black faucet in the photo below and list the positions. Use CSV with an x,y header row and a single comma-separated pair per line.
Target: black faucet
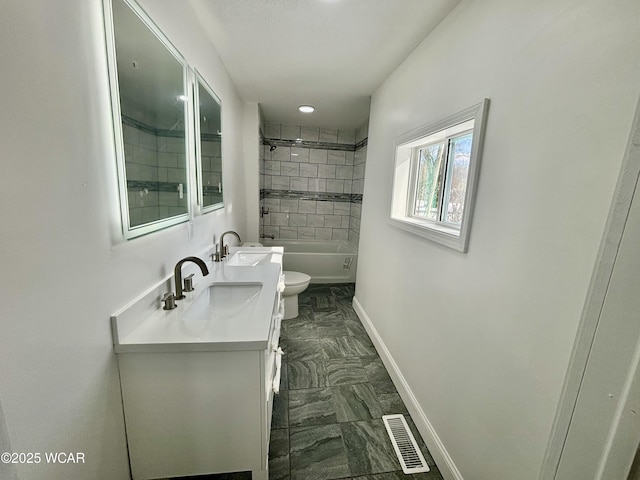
x,y
177,273
224,251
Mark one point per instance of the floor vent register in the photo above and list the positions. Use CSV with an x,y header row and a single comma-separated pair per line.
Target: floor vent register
x,y
404,444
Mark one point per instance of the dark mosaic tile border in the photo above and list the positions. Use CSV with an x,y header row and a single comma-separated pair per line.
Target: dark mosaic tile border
x,y
171,187
318,196
163,132
343,147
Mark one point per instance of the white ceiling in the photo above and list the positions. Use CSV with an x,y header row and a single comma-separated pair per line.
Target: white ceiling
x,y
328,53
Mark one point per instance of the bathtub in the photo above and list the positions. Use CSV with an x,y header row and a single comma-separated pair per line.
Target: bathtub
x,y
325,262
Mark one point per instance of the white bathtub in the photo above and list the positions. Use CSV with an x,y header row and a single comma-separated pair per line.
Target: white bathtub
x,y
325,262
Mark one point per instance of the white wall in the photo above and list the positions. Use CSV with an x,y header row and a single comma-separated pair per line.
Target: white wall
x,y
65,267
483,338
7,470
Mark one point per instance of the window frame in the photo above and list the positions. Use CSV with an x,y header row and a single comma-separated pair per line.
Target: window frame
x,y
404,186
200,80
130,232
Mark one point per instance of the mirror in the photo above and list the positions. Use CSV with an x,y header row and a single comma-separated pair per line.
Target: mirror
x,y
149,97
209,131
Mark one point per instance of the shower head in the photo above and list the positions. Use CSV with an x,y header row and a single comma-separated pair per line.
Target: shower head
x,y
272,148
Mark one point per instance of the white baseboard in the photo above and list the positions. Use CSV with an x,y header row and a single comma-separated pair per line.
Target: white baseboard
x,y
439,453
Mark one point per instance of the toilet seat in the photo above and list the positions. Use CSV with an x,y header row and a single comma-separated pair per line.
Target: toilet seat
x,y
295,279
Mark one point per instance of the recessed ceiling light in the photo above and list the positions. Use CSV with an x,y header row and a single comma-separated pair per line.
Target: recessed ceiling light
x,y
306,108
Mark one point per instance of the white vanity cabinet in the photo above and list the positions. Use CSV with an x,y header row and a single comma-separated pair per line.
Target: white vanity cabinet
x,y
201,408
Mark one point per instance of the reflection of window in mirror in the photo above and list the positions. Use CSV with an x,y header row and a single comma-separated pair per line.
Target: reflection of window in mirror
x,y
152,104
210,131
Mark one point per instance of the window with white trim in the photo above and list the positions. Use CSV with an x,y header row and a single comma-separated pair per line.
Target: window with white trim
x,y
435,177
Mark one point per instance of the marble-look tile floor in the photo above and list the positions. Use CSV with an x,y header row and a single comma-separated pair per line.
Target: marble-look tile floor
x,y
334,390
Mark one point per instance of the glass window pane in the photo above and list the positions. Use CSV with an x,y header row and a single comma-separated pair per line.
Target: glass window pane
x,y
210,148
429,181
457,175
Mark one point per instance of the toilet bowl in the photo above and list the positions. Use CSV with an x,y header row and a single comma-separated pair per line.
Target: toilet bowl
x,y
294,284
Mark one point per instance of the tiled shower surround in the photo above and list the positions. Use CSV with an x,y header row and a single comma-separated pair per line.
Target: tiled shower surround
x,y
156,166
155,163
311,183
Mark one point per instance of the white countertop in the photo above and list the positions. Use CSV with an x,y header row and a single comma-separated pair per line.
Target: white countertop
x,y
143,326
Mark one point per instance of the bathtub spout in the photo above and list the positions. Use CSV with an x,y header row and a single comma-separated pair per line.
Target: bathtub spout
x,y
272,237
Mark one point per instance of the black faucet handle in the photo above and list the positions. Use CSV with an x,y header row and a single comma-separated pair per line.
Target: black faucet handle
x,y
169,300
188,283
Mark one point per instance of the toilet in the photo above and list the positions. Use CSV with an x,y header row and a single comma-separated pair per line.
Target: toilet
x,y
294,284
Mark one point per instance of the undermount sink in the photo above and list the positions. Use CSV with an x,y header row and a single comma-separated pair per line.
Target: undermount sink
x,y
249,259
220,302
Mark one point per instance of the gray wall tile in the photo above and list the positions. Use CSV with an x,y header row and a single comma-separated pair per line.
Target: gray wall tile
x,y
308,170
272,130
310,134
342,208
347,136
329,135
289,132
336,157
315,220
335,186
297,220
282,154
341,234
271,230
323,233
356,209
290,169
306,233
280,183
273,203
279,219
326,171
299,154
318,156
271,167
317,185
325,208
344,172
307,206
334,221
299,184
289,233
289,205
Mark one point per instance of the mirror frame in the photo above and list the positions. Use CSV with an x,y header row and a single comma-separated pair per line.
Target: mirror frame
x,y
199,80
143,229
